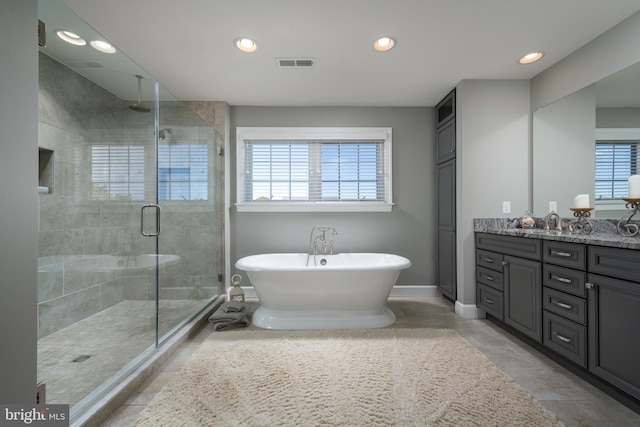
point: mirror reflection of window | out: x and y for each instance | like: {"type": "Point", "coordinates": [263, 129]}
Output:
{"type": "Point", "coordinates": [615, 162]}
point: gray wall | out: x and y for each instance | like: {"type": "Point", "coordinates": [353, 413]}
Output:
{"type": "Point", "coordinates": [492, 145]}
{"type": "Point", "coordinates": [407, 231]}
{"type": "Point", "coordinates": [18, 214]}
{"type": "Point", "coordinates": [618, 117]}
{"type": "Point", "coordinates": [609, 53]}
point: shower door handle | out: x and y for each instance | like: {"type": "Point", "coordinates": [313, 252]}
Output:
{"type": "Point", "coordinates": [157, 232]}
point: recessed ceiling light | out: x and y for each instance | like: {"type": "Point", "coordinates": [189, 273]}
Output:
{"type": "Point", "coordinates": [530, 57]}
{"type": "Point", "coordinates": [384, 44]}
{"type": "Point", "coordinates": [70, 37]}
{"type": "Point", "coordinates": [246, 44]}
{"type": "Point", "coordinates": [102, 46]}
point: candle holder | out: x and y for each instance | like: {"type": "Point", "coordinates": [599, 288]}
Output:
{"type": "Point", "coordinates": [582, 223]}
{"type": "Point", "coordinates": [625, 227]}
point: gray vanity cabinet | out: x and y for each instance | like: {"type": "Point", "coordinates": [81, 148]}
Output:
{"type": "Point", "coordinates": [614, 316]}
{"type": "Point", "coordinates": [519, 293]}
{"type": "Point", "coordinates": [523, 296]}
{"type": "Point", "coordinates": [564, 301]}
{"type": "Point", "coordinates": [579, 300]}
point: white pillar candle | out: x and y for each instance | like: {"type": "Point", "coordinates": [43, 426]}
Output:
{"type": "Point", "coordinates": [581, 201]}
{"type": "Point", "coordinates": [634, 187]}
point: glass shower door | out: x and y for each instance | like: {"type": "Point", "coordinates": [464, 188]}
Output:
{"type": "Point", "coordinates": [190, 196]}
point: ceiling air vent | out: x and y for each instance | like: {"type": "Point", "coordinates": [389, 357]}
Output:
{"type": "Point", "coordinates": [295, 62]}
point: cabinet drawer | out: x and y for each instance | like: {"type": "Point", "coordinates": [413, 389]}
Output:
{"type": "Point", "coordinates": [565, 305]}
{"type": "Point", "coordinates": [490, 300]}
{"type": "Point", "coordinates": [566, 254]}
{"type": "Point", "coordinates": [517, 246]}
{"type": "Point", "coordinates": [565, 337]}
{"type": "Point", "coordinates": [490, 260]}
{"type": "Point", "coordinates": [490, 278]}
{"type": "Point", "coordinates": [564, 279]}
{"type": "Point", "coordinates": [615, 262]}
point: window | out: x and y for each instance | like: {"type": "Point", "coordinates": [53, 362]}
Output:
{"type": "Point", "coordinates": [314, 169]}
{"type": "Point", "coordinates": [117, 172]}
{"type": "Point", "coordinates": [182, 171]}
{"type": "Point", "coordinates": [615, 161]}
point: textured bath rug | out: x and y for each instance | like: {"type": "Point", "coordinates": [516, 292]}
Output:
{"type": "Point", "coordinates": [376, 377]}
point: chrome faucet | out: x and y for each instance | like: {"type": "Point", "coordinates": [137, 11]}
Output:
{"type": "Point", "coordinates": [548, 218]}
{"type": "Point", "coordinates": [320, 241]}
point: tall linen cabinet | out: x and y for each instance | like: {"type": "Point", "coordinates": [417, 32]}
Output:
{"type": "Point", "coordinates": [446, 196]}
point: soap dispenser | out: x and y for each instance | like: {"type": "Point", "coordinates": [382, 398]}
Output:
{"type": "Point", "coordinates": [235, 292]}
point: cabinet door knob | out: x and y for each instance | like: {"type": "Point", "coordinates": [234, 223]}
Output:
{"type": "Point", "coordinates": [589, 285]}
{"type": "Point", "coordinates": [505, 263]}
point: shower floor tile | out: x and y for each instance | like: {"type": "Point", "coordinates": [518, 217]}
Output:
{"type": "Point", "coordinates": [79, 358]}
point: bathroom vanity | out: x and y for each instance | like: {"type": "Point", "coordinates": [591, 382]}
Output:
{"type": "Point", "coordinates": [574, 297]}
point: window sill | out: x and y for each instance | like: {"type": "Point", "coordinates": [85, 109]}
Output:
{"type": "Point", "coordinates": [314, 207]}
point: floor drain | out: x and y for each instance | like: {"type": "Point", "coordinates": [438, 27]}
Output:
{"type": "Point", "coordinates": [81, 358]}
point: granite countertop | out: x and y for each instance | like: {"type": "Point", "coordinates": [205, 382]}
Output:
{"type": "Point", "coordinates": [605, 234]}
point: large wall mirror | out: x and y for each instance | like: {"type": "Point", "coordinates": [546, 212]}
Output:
{"type": "Point", "coordinates": [564, 144]}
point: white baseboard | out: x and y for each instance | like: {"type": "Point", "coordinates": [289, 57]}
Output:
{"type": "Point", "coordinates": [469, 311]}
{"type": "Point", "coordinates": [415, 291]}
{"type": "Point", "coordinates": [396, 292]}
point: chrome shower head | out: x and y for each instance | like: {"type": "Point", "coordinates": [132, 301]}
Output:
{"type": "Point", "coordinates": [163, 132]}
{"type": "Point", "coordinates": [137, 107]}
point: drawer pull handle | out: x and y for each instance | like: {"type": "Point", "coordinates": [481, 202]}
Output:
{"type": "Point", "coordinates": [488, 259]}
{"type": "Point", "coordinates": [489, 278]}
{"type": "Point", "coordinates": [560, 279]}
{"type": "Point", "coordinates": [564, 254]}
{"type": "Point", "coordinates": [562, 338]}
{"type": "Point", "coordinates": [561, 304]}
{"type": "Point", "coordinates": [488, 301]}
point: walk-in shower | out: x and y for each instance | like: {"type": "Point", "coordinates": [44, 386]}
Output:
{"type": "Point", "coordinates": [130, 227]}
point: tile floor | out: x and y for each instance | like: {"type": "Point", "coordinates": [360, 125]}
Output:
{"type": "Point", "coordinates": [77, 359]}
{"type": "Point", "coordinates": [575, 401]}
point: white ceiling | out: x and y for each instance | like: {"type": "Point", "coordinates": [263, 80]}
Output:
{"type": "Point", "coordinates": [188, 45]}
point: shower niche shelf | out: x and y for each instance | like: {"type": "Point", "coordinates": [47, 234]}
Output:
{"type": "Point", "coordinates": [45, 172]}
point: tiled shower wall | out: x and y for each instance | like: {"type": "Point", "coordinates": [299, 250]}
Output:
{"type": "Point", "coordinates": [74, 113]}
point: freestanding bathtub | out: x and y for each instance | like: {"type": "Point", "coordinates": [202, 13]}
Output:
{"type": "Point", "coordinates": [344, 291]}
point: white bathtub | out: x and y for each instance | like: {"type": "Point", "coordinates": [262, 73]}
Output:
{"type": "Point", "coordinates": [349, 292]}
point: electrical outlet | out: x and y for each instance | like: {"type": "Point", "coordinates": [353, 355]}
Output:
{"type": "Point", "coordinates": [506, 207]}
{"type": "Point", "coordinates": [553, 206]}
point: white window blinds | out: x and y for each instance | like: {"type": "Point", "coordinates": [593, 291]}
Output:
{"type": "Point", "coordinates": [117, 172]}
{"type": "Point", "coordinates": [280, 170]}
{"type": "Point", "coordinates": [615, 162]}
{"type": "Point", "coordinates": [183, 171]}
